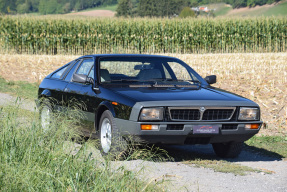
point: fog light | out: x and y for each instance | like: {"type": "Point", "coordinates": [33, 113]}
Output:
{"type": "Point", "coordinates": [251, 126]}
{"type": "Point", "coordinates": [149, 127]}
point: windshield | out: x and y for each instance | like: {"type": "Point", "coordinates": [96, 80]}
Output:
{"type": "Point", "coordinates": [146, 70]}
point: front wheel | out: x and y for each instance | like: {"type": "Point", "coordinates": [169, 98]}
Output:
{"type": "Point", "coordinates": [112, 144]}
{"type": "Point", "coordinates": [227, 150]}
{"type": "Point", "coordinates": [46, 114]}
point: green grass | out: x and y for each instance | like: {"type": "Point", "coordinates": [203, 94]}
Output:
{"type": "Point", "coordinates": [278, 10]}
{"type": "Point", "coordinates": [222, 166]}
{"type": "Point", "coordinates": [19, 88]}
{"type": "Point", "coordinates": [269, 145]}
{"type": "Point", "coordinates": [222, 11]}
{"type": "Point", "coordinates": [32, 159]}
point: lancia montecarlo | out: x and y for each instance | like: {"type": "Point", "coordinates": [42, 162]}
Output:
{"type": "Point", "coordinates": [149, 99]}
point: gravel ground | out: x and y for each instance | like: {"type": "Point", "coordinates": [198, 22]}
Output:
{"type": "Point", "coordinates": [6, 99]}
{"type": "Point", "coordinates": [182, 177]}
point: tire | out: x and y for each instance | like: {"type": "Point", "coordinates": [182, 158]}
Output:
{"type": "Point", "coordinates": [112, 144]}
{"type": "Point", "coordinates": [227, 150]}
{"type": "Point", "coordinates": [46, 115]}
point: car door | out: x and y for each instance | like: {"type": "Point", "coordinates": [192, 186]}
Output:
{"type": "Point", "coordinates": [81, 96]}
{"type": "Point", "coordinates": [55, 85]}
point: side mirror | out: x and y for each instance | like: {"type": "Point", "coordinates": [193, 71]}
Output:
{"type": "Point", "coordinates": [84, 79]}
{"type": "Point", "coordinates": [211, 79]}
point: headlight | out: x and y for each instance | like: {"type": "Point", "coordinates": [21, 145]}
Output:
{"type": "Point", "coordinates": [248, 113]}
{"type": "Point", "coordinates": [151, 114]}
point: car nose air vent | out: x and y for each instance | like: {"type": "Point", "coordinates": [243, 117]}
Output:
{"type": "Point", "coordinates": [201, 113]}
{"type": "Point", "coordinates": [184, 114]}
{"type": "Point", "coordinates": [174, 127]}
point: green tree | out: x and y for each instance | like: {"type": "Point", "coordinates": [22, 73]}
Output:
{"type": "Point", "coordinates": [2, 6]}
{"type": "Point", "coordinates": [187, 12]}
{"type": "Point", "coordinates": [52, 6]}
{"type": "Point", "coordinates": [124, 8]}
{"type": "Point", "coordinates": [67, 7]}
{"type": "Point", "coordinates": [77, 6]}
{"type": "Point", "coordinates": [23, 8]}
{"type": "Point", "coordinates": [147, 8]}
{"type": "Point", "coordinates": [42, 7]}
{"type": "Point", "coordinates": [34, 5]}
{"type": "Point", "coordinates": [161, 8]}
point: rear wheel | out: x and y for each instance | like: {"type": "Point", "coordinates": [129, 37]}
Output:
{"type": "Point", "coordinates": [227, 150]}
{"type": "Point", "coordinates": [112, 144]}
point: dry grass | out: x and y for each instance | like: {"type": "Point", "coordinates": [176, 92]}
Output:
{"type": "Point", "coordinates": [259, 77]}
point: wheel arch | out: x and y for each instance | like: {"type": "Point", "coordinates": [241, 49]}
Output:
{"type": "Point", "coordinates": [45, 93]}
{"type": "Point", "coordinates": [105, 105]}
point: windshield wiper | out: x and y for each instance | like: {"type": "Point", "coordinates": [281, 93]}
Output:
{"type": "Point", "coordinates": [138, 80]}
{"type": "Point", "coordinates": [126, 80]}
{"type": "Point", "coordinates": [184, 80]}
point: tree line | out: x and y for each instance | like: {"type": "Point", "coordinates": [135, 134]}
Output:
{"type": "Point", "coordinates": [234, 3]}
{"type": "Point", "coordinates": [142, 8]}
{"type": "Point", "coordinates": [167, 8]}
{"type": "Point", "coordinates": [50, 6]}
{"type": "Point", "coordinates": [151, 8]}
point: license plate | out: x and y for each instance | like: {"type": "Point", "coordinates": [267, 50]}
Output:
{"type": "Point", "coordinates": [205, 129]}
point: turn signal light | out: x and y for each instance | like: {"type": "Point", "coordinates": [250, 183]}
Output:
{"type": "Point", "coordinates": [149, 127]}
{"type": "Point", "coordinates": [114, 103]}
{"type": "Point", "coordinates": [251, 126]}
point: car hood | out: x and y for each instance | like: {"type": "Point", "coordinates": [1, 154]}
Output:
{"type": "Point", "coordinates": [170, 94]}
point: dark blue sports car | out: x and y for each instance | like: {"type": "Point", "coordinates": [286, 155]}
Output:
{"type": "Point", "coordinates": [151, 99]}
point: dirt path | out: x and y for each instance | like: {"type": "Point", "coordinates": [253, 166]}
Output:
{"type": "Point", "coordinates": [95, 13]}
{"type": "Point", "coordinates": [6, 99]}
{"type": "Point", "coordinates": [179, 176]}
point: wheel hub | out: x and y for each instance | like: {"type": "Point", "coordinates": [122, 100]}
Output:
{"type": "Point", "coordinates": [106, 135]}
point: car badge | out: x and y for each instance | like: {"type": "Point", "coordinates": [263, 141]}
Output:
{"type": "Point", "coordinates": [202, 109]}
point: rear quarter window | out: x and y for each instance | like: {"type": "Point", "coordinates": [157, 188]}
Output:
{"type": "Point", "coordinates": [72, 70]}
{"type": "Point", "coordinates": [58, 74]}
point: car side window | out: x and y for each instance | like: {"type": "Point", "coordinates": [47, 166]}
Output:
{"type": "Point", "coordinates": [166, 73]}
{"type": "Point", "coordinates": [92, 73]}
{"type": "Point", "coordinates": [59, 73]}
{"type": "Point", "coordinates": [71, 72]}
{"type": "Point", "coordinates": [85, 67]}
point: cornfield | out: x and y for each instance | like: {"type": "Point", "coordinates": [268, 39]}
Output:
{"type": "Point", "coordinates": [52, 35]}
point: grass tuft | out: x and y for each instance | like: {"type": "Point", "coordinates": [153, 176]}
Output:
{"type": "Point", "coordinates": [222, 166]}
{"type": "Point", "coordinates": [277, 145]}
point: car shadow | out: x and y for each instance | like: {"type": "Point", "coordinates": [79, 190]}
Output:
{"type": "Point", "coordinates": [181, 153]}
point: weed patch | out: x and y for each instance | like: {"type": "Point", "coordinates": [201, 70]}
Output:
{"type": "Point", "coordinates": [222, 166]}
{"type": "Point", "coordinates": [19, 88]}
{"type": "Point", "coordinates": [275, 146]}
{"type": "Point", "coordinates": [33, 159]}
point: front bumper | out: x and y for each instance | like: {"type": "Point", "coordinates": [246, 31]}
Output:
{"type": "Point", "coordinates": [186, 136]}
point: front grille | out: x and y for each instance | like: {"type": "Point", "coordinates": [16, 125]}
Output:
{"type": "Point", "coordinates": [217, 114]}
{"type": "Point", "coordinates": [200, 113]}
{"type": "Point", "coordinates": [185, 114]}
{"type": "Point", "coordinates": [229, 126]}
{"type": "Point", "coordinates": [174, 127]}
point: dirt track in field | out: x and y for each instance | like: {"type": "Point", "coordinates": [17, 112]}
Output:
{"type": "Point", "coordinates": [95, 13]}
